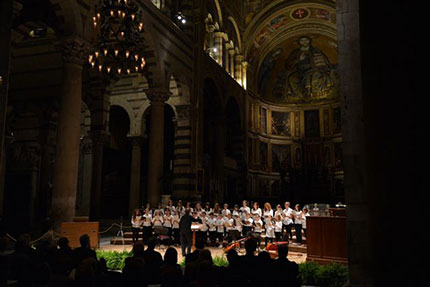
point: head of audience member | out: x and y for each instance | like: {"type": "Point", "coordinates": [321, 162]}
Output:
{"type": "Point", "coordinates": [84, 240]}
{"type": "Point", "coordinates": [264, 257]}
{"type": "Point", "coordinates": [283, 251]}
{"type": "Point", "coordinates": [205, 255]}
{"type": "Point", "coordinates": [287, 205]}
{"type": "Point", "coordinates": [200, 243]}
{"type": "Point", "coordinates": [138, 249]}
{"type": "Point", "coordinates": [152, 242]}
{"type": "Point", "coordinates": [23, 242]}
{"type": "Point", "coordinates": [171, 256]}
{"type": "Point", "coordinates": [250, 246]}
{"type": "Point", "coordinates": [63, 243]}
{"type": "Point", "coordinates": [232, 257]}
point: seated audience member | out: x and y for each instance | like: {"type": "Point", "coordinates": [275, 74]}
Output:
{"type": "Point", "coordinates": [193, 256]}
{"type": "Point", "coordinates": [134, 271]}
{"type": "Point", "coordinates": [153, 261]}
{"type": "Point", "coordinates": [249, 263]}
{"type": "Point", "coordinates": [288, 269]}
{"type": "Point", "coordinates": [84, 251]}
{"type": "Point", "coordinates": [171, 272]}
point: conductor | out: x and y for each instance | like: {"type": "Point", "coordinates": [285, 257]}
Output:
{"type": "Point", "coordinates": [185, 232]}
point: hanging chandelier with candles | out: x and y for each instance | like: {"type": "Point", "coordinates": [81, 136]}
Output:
{"type": "Point", "coordinates": [119, 38]}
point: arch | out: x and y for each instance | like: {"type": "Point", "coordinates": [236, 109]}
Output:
{"type": "Point", "coordinates": [118, 101]}
{"type": "Point", "coordinates": [176, 87]}
{"type": "Point", "coordinates": [219, 11]}
{"type": "Point", "coordinates": [70, 17]}
{"type": "Point", "coordinates": [236, 29]}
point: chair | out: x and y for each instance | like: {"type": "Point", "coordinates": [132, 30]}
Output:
{"type": "Point", "coordinates": [163, 237]}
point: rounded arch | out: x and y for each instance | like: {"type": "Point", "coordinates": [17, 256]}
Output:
{"type": "Point", "coordinates": [120, 102]}
{"type": "Point", "coordinates": [237, 32]}
{"type": "Point", "coordinates": [70, 16]}
{"type": "Point", "coordinates": [179, 90]}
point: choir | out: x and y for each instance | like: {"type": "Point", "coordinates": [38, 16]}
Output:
{"type": "Point", "coordinates": [217, 225]}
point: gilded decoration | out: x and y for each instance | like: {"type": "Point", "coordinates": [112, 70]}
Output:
{"type": "Point", "coordinates": [300, 70]}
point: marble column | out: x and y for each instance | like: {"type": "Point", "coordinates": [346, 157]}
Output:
{"type": "Point", "coordinates": [238, 68]}
{"type": "Point", "coordinates": [135, 172]}
{"type": "Point", "coordinates": [232, 53]}
{"type": "Point", "coordinates": [68, 133]}
{"type": "Point", "coordinates": [158, 97]}
{"type": "Point", "coordinates": [244, 69]}
{"type": "Point", "coordinates": [219, 47]}
{"type": "Point", "coordinates": [99, 139]}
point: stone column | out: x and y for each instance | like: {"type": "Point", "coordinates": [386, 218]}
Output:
{"type": "Point", "coordinates": [227, 58]}
{"type": "Point", "coordinates": [99, 139]}
{"type": "Point", "coordinates": [68, 133]}
{"type": "Point", "coordinates": [232, 53]}
{"type": "Point", "coordinates": [158, 97]}
{"type": "Point", "coordinates": [238, 68]}
{"type": "Point", "coordinates": [244, 68]}
{"type": "Point", "coordinates": [135, 171]}
{"type": "Point", "coordinates": [86, 176]}
{"type": "Point", "coordinates": [219, 47]}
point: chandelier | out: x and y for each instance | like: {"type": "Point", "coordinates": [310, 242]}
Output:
{"type": "Point", "coordinates": [119, 38]}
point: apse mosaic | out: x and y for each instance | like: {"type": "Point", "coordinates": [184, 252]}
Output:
{"type": "Point", "coordinates": [302, 69]}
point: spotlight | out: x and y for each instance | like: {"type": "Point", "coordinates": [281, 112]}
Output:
{"type": "Point", "coordinates": [183, 21]}
{"type": "Point", "coordinates": [179, 17]}
{"type": "Point", "coordinates": [215, 50]}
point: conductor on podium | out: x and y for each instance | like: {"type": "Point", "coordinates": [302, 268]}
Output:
{"type": "Point", "coordinates": [185, 232]}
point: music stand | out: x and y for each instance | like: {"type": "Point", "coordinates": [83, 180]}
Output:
{"type": "Point", "coordinates": [120, 233]}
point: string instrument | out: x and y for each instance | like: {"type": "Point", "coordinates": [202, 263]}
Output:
{"type": "Point", "coordinates": [272, 248]}
{"type": "Point", "coordinates": [234, 244]}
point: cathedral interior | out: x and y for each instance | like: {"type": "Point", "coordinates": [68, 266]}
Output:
{"type": "Point", "coordinates": [297, 100]}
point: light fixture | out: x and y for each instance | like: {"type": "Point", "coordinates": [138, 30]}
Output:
{"type": "Point", "coordinates": [119, 35]}
{"type": "Point", "coordinates": [214, 50]}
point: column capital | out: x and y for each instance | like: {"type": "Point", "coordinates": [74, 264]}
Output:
{"type": "Point", "coordinates": [158, 95]}
{"type": "Point", "coordinates": [75, 50]}
{"type": "Point", "coordinates": [232, 51]}
{"type": "Point", "coordinates": [239, 57]}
